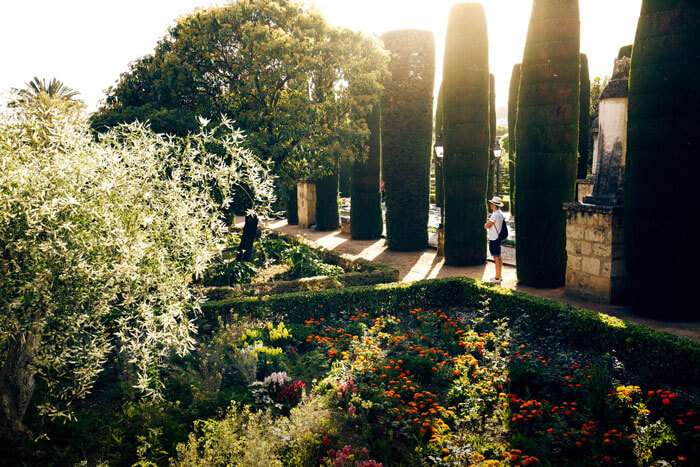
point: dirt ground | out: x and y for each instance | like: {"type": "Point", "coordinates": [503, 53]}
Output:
{"type": "Point", "coordinates": [427, 264]}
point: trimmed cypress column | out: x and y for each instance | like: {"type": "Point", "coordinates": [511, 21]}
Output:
{"type": "Point", "coordinates": [407, 127]}
{"type": "Point", "coordinates": [512, 142]}
{"type": "Point", "coordinates": [366, 198]}
{"type": "Point", "coordinates": [547, 141]}
{"type": "Point", "coordinates": [327, 213]}
{"type": "Point", "coordinates": [492, 136]}
{"type": "Point", "coordinates": [292, 206]}
{"type": "Point", "coordinates": [439, 194]}
{"type": "Point", "coordinates": [625, 51]}
{"type": "Point", "coordinates": [584, 118]}
{"type": "Point", "coordinates": [663, 160]}
{"type": "Point", "coordinates": [466, 134]}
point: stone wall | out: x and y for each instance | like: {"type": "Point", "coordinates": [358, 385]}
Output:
{"type": "Point", "coordinates": [595, 269]}
{"type": "Point", "coordinates": [583, 188]}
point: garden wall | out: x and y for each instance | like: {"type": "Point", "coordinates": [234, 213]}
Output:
{"type": "Point", "coordinates": [652, 354]}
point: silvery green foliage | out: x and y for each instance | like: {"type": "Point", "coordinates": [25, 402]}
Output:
{"type": "Point", "coordinates": [99, 240]}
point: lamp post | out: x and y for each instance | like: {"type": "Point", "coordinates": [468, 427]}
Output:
{"type": "Point", "coordinates": [439, 150]}
{"type": "Point", "coordinates": [497, 151]}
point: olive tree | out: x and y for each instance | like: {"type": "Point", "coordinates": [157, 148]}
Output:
{"type": "Point", "coordinates": [100, 241]}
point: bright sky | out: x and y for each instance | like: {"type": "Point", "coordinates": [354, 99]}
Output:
{"type": "Point", "coordinates": [87, 43]}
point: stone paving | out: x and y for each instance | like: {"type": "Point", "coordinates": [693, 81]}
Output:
{"type": "Point", "coordinates": [427, 264]}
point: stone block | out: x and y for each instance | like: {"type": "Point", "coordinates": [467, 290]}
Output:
{"type": "Point", "coordinates": [574, 263]}
{"type": "Point", "coordinates": [586, 248]}
{"type": "Point", "coordinates": [597, 234]}
{"type": "Point", "coordinates": [599, 286]}
{"type": "Point", "coordinates": [602, 250]}
{"type": "Point", "coordinates": [574, 231]}
{"type": "Point", "coordinates": [591, 266]}
{"type": "Point", "coordinates": [605, 269]}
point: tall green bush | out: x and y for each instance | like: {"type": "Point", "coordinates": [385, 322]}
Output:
{"type": "Point", "coordinates": [625, 51]}
{"type": "Point", "coordinates": [547, 140]}
{"type": "Point", "coordinates": [492, 136]}
{"type": "Point", "coordinates": [512, 117]}
{"type": "Point", "coordinates": [327, 214]}
{"type": "Point", "coordinates": [292, 206]}
{"type": "Point", "coordinates": [366, 198]}
{"type": "Point", "coordinates": [407, 125]}
{"type": "Point", "coordinates": [439, 189]}
{"type": "Point", "coordinates": [584, 118]}
{"type": "Point", "coordinates": [466, 134]}
{"type": "Point", "coordinates": [663, 159]}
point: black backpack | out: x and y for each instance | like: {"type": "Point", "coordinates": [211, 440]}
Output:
{"type": "Point", "coordinates": [503, 234]}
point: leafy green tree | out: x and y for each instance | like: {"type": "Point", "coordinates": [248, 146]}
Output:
{"type": "Point", "coordinates": [662, 168]}
{"type": "Point", "coordinates": [407, 126]}
{"type": "Point", "coordinates": [466, 129]}
{"type": "Point", "coordinates": [295, 85]}
{"type": "Point", "coordinates": [584, 119]}
{"type": "Point", "coordinates": [512, 117]}
{"type": "Point", "coordinates": [597, 86]}
{"type": "Point", "coordinates": [547, 141]}
{"type": "Point", "coordinates": [100, 241]}
{"type": "Point", "coordinates": [366, 198]}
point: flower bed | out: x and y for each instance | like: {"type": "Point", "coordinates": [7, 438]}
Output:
{"type": "Point", "coordinates": [464, 387]}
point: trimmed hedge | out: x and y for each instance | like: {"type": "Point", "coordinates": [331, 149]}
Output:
{"type": "Point", "coordinates": [547, 132]}
{"type": "Point", "coordinates": [663, 159]}
{"type": "Point", "coordinates": [492, 137]}
{"type": "Point", "coordinates": [625, 51]}
{"type": "Point", "coordinates": [327, 213]}
{"type": "Point", "coordinates": [439, 189]}
{"type": "Point", "coordinates": [358, 272]}
{"type": "Point", "coordinates": [584, 122]}
{"type": "Point", "coordinates": [407, 126]}
{"type": "Point", "coordinates": [366, 221]}
{"type": "Point", "coordinates": [653, 354]}
{"type": "Point", "coordinates": [512, 117]}
{"type": "Point", "coordinates": [466, 134]}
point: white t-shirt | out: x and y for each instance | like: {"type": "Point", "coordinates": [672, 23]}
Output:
{"type": "Point", "coordinates": [497, 219]}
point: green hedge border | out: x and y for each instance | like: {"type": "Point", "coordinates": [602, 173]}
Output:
{"type": "Point", "coordinates": [651, 354]}
{"type": "Point", "coordinates": [362, 272]}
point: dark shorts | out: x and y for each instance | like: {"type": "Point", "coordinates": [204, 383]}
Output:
{"type": "Point", "coordinates": [495, 247]}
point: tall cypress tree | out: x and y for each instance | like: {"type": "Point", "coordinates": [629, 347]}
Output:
{"type": "Point", "coordinates": [292, 206]}
{"type": "Point", "coordinates": [625, 51]}
{"type": "Point", "coordinates": [407, 127]}
{"type": "Point", "coordinates": [512, 117]}
{"type": "Point", "coordinates": [466, 134]}
{"type": "Point", "coordinates": [492, 136]}
{"type": "Point", "coordinates": [439, 196]}
{"type": "Point", "coordinates": [366, 198]}
{"type": "Point", "coordinates": [663, 159]}
{"type": "Point", "coordinates": [584, 118]}
{"type": "Point", "coordinates": [547, 141]}
{"type": "Point", "coordinates": [327, 214]}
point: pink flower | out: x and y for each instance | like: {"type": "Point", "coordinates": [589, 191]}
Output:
{"type": "Point", "coordinates": [352, 409]}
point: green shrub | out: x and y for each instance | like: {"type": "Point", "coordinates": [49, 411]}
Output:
{"type": "Point", "coordinates": [327, 213]}
{"type": "Point", "coordinates": [663, 159]}
{"type": "Point", "coordinates": [407, 123]}
{"type": "Point", "coordinates": [584, 118]}
{"type": "Point", "coordinates": [466, 132]}
{"type": "Point", "coordinates": [366, 221]}
{"type": "Point", "coordinates": [492, 137]}
{"type": "Point", "coordinates": [547, 140]}
{"type": "Point", "coordinates": [512, 117]}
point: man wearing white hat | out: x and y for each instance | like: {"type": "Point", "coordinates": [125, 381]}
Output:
{"type": "Point", "coordinates": [494, 226]}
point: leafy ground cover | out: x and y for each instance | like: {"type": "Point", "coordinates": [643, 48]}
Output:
{"type": "Point", "coordinates": [444, 387]}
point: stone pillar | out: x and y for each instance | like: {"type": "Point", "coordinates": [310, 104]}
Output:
{"type": "Point", "coordinates": [583, 188]}
{"type": "Point", "coordinates": [306, 199]}
{"type": "Point", "coordinates": [595, 268]}
{"type": "Point", "coordinates": [595, 130]}
{"type": "Point", "coordinates": [612, 139]}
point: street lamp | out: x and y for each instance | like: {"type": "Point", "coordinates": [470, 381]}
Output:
{"type": "Point", "coordinates": [439, 150]}
{"type": "Point", "coordinates": [497, 151]}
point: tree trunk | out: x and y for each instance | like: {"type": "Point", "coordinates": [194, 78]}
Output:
{"type": "Point", "coordinates": [17, 387]}
{"type": "Point", "coordinates": [245, 249]}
